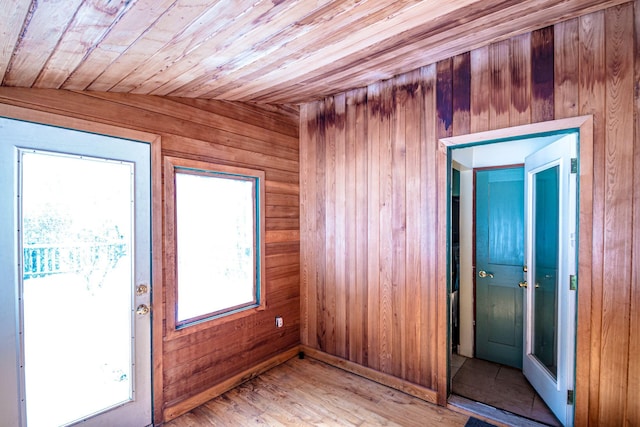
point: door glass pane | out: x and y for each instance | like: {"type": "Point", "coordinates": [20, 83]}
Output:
{"type": "Point", "coordinates": [77, 285]}
{"type": "Point", "coordinates": [545, 301]}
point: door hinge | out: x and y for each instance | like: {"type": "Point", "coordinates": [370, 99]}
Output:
{"type": "Point", "coordinates": [573, 282]}
{"type": "Point", "coordinates": [574, 165]}
{"type": "Point", "coordinates": [569, 397]}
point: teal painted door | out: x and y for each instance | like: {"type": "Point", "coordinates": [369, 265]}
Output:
{"type": "Point", "coordinates": [499, 220]}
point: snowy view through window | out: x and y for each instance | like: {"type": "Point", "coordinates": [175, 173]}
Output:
{"type": "Point", "coordinates": [77, 282]}
{"type": "Point", "coordinates": [215, 226]}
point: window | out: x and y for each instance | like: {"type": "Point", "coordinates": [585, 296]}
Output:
{"type": "Point", "coordinates": [214, 226]}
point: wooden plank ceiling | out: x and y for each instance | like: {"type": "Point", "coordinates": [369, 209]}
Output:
{"type": "Point", "coordinates": [267, 51]}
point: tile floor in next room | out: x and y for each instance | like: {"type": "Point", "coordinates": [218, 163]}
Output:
{"type": "Point", "coordinates": [499, 386]}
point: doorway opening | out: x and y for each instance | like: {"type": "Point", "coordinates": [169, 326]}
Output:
{"type": "Point", "coordinates": [488, 343]}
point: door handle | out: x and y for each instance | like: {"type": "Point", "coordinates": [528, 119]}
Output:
{"type": "Point", "coordinates": [522, 284]}
{"type": "Point", "coordinates": [143, 309]}
{"type": "Point", "coordinates": [483, 273]}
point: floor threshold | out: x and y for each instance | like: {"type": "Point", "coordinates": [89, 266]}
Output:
{"type": "Point", "coordinates": [491, 413]}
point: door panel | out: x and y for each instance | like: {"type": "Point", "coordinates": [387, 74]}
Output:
{"type": "Point", "coordinates": [549, 350]}
{"type": "Point", "coordinates": [77, 266]}
{"type": "Point", "coordinates": [79, 209]}
{"type": "Point", "coordinates": [500, 254]}
{"type": "Point", "coordinates": [545, 267]}
{"type": "Point", "coordinates": [502, 313]}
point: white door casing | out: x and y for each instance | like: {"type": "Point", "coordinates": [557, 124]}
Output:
{"type": "Point", "coordinates": [15, 137]}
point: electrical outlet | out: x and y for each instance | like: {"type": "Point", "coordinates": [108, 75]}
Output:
{"type": "Point", "coordinates": [279, 322]}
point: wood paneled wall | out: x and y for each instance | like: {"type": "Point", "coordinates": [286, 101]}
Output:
{"type": "Point", "coordinates": [366, 214]}
{"type": "Point", "coordinates": [370, 259]}
{"type": "Point", "coordinates": [264, 138]}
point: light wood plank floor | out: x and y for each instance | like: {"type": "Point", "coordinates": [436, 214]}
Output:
{"type": "Point", "coordinates": [306, 392]}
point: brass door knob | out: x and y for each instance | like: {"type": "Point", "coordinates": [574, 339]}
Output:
{"type": "Point", "coordinates": [483, 274]}
{"type": "Point", "coordinates": [522, 284]}
{"type": "Point", "coordinates": [143, 309]}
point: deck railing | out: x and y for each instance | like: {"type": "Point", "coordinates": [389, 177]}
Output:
{"type": "Point", "coordinates": [45, 259]}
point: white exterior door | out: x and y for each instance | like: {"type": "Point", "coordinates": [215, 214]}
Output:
{"type": "Point", "coordinates": [549, 334]}
{"type": "Point", "coordinates": [75, 250]}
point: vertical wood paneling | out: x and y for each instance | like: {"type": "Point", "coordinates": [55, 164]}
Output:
{"type": "Point", "coordinates": [330, 228]}
{"type": "Point", "coordinates": [307, 161]}
{"type": "Point", "coordinates": [157, 265]}
{"type": "Point", "coordinates": [566, 69]}
{"type": "Point", "coordinates": [633, 407]}
{"type": "Point", "coordinates": [441, 286]}
{"type": "Point", "coordinates": [413, 305]}
{"type": "Point", "coordinates": [386, 232]}
{"type": "Point", "coordinates": [542, 75]}
{"type": "Point", "coordinates": [583, 303]}
{"type": "Point", "coordinates": [320, 235]}
{"type": "Point", "coordinates": [592, 101]}
{"type": "Point", "coordinates": [428, 241]}
{"type": "Point", "coordinates": [520, 109]}
{"type": "Point", "coordinates": [374, 119]}
{"type": "Point", "coordinates": [461, 94]}
{"type": "Point", "coordinates": [340, 221]}
{"type": "Point", "coordinates": [351, 255]}
{"type": "Point", "coordinates": [360, 331]}
{"type": "Point", "coordinates": [444, 98]}
{"type": "Point", "coordinates": [444, 107]}
{"type": "Point", "coordinates": [480, 89]}
{"type": "Point", "coordinates": [309, 131]}
{"type": "Point", "coordinates": [500, 71]}
{"type": "Point", "coordinates": [618, 210]}
{"type": "Point", "coordinates": [577, 67]}
{"type": "Point", "coordinates": [398, 229]}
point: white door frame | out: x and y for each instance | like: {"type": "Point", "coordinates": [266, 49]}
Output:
{"type": "Point", "coordinates": [35, 116]}
{"type": "Point", "coordinates": [584, 125]}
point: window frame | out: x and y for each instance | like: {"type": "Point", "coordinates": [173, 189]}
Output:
{"type": "Point", "coordinates": [172, 166]}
